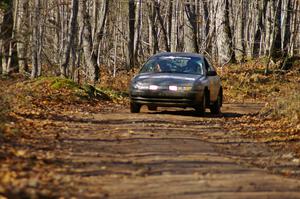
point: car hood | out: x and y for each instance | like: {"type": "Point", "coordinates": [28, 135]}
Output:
{"type": "Point", "coordinates": [166, 79]}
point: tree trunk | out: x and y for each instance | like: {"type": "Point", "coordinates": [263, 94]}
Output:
{"type": "Point", "coordinates": [6, 37]}
{"type": "Point", "coordinates": [191, 27]}
{"type": "Point", "coordinates": [130, 59]}
{"type": "Point", "coordinates": [223, 33]}
{"type": "Point", "coordinates": [100, 26]}
{"type": "Point", "coordinates": [162, 25]}
{"type": "Point", "coordinates": [261, 8]}
{"type": "Point", "coordinates": [11, 62]}
{"type": "Point", "coordinates": [180, 27]}
{"type": "Point", "coordinates": [239, 32]}
{"type": "Point", "coordinates": [35, 39]}
{"type": "Point", "coordinates": [22, 35]}
{"type": "Point", "coordinates": [286, 26]}
{"type": "Point", "coordinates": [206, 26]}
{"type": "Point", "coordinates": [154, 34]}
{"type": "Point", "coordinates": [170, 14]}
{"type": "Point", "coordinates": [268, 26]}
{"type": "Point", "coordinates": [70, 38]}
{"type": "Point", "coordinates": [294, 28]}
{"type": "Point", "coordinates": [89, 55]}
{"type": "Point", "coordinates": [174, 32]}
{"type": "Point", "coordinates": [138, 29]}
{"type": "Point", "coordinates": [275, 48]}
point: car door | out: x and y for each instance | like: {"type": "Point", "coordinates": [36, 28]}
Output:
{"type": "Point", "coordinates": [214, 81]}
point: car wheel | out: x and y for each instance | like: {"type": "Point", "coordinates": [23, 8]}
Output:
{"type": "Point", "coordinates": [216, 106]}
{"type": "Point", "coordinates": [135, 108]}
{"type": "Point", "coordinates": [200, 109]}
{"type": "Point", "coordinates": [152, 108]}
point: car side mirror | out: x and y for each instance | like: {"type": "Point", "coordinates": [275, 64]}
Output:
{"type": "Point", "coordinates": [211, 73]}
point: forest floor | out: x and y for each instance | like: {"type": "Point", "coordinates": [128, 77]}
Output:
{"type": "Point", "coordinates": [59, 139]}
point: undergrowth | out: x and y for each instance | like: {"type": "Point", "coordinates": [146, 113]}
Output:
{"type": "Point", "coordinates": [4, 107]}
{"type": "Point", "coordinates": [59, 94]}
{"type": "Point", "coordinates": [284, 107]}
{"type": "Point", "coordinates": [279, 90]}
{"type": "Point", "coordinates": [118, 83]}
{"type": "Point", "coordinates": [3, 115]}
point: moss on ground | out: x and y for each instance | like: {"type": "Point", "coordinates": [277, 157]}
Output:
{"type": "Point", "coordinates": [59, 83]}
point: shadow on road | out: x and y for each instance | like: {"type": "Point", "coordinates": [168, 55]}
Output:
{"type": "Point", "coordinates": [192, 113]}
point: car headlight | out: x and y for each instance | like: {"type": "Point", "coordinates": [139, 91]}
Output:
{"type": "Point", "coordinates": [153, 87]}
{"type": "Point", "coordinates": [140, 86]}
{"type": "Point", "coordinates": [173, 88]}
{"type": "Point", "coordinates": [180, 88]}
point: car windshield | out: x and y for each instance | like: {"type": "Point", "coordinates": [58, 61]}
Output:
{"type": "Point", "coordinates": [174, 64]}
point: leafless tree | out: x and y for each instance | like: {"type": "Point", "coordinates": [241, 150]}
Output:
{"type": "Point", "coordinates": [71, 37]}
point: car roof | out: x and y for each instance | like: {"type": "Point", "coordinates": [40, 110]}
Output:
{"type": "Point", "coordinates": [183, 54]}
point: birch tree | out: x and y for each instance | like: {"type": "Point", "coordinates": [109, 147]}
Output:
{"type": "Point", "coordinates": [261, 7]}
{"type": "Point", "coordinates": [275, 43]}
{"type": "Point", "coordinates": [123, 34]}
{"type": "Point", "coordinates": [138, 29]}
{"type": "Point", "coordinates": [99, 27]}
{"type": "Point", "coordinates": [6, 36]}
{"type": "Point", "coordinates": [35, 40]}
{"type": "Point", "coordinates": [286, 24]}
{"type": "Point", "coordinates": [70, 38]}
{"type": "Point", "coordinates": [22, 32]}
{"type": "Point", "coordinates": [92, 69]}
{"type": "Point", "coordinates": [223, 32]}
{"type": "Point", "coordinates": [239, 31]}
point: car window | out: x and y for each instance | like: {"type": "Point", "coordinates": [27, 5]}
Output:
{"type": "Point", "coordinates": [174, 64]}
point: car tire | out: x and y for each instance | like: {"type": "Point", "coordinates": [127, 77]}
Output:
{"type": "Point", "coordinates": [135, 108]}
{"type": "Point", "coordinates": [200, 109]}
{"type": "Point", "coordinates": [152, 108]}
{"type": "Point", "coordinates": [215, 108]}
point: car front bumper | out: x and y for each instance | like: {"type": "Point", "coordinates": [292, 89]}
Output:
{"type": "Point", "coordinates": [166, 98]}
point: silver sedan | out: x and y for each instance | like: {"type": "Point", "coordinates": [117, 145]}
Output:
{"type": "Point", "coordinates": [177, 80]}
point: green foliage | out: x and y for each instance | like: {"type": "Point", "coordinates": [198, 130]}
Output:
{"type": "Point", "coordinates": [59, 83]}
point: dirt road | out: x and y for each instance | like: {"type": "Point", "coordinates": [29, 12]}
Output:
{"type": "Point", "coordinates": [162, 154]}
